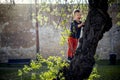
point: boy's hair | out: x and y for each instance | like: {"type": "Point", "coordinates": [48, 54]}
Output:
{"type": "Point", "coordinates": [76, 10]}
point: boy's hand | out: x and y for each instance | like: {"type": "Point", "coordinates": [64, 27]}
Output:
{"type": "Point", "coordinates": [80, 25]}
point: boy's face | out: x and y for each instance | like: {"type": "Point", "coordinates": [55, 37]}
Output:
{"type": "Point", "coordinates": [77, 16]}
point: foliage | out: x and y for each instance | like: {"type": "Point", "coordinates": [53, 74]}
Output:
{"type": "Point", "coordinates": [94, 75]}
{"type": "Point", "coordinates": [106, 72]}
{"type": "Point", "coordinates": [118, 16]}
{"type": "Point", "coordinates": [48, 69]}
{"type": "Point", "coordinates": [64, 36]}
{"type": "Point", "coordinates": [63, 14]}
{"type": "Point", "coordinates": [113, 1]}
{"type": "Point", "coordinates": [52, 64]}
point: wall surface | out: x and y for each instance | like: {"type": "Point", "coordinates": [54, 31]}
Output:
{"type": "Point", "coordinates": [18, 35]}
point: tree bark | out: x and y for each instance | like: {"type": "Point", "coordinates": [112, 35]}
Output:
{"type": "Point", "coordinates": [97, 23]}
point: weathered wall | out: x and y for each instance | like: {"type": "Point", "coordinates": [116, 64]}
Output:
{"type": "Point", "coordinates": [50, 41]}
{"type": "Point", "coordinates": [110, 44]}
{"type": "Point", "coordinates": [111, 40]}
{"type": "Point", "coordinates": [18, 36]}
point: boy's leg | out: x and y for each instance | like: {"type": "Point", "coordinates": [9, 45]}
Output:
{"type": "Point", "coordinates": [75, 45]}
{"type": "Point", "coordinates": [70, 48]}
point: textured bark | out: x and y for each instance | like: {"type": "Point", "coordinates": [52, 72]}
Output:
{"type": "Point", "coordinates": [97, 23]}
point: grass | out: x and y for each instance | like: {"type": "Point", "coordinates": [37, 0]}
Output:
{"type": "Point", "coordinates": [109, 73]}
{"type": "Point", "coordinates": [106, 71]}
{"type": "Point", "coordinates": [9, 72]}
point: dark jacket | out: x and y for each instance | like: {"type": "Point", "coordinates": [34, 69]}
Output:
{"type": "Point", "coordinates": [74, 30]}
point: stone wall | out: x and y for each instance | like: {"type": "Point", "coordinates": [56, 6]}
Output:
{"type": "Point", "coordinates": [111, 40]}
{"type": "Point", "coordinates": [18, 35]}
{"type": "Point", "coordinates": [50, 41]}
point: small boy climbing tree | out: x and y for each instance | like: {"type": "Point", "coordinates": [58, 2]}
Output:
{"type": "Point", "coordinates": [97, 23]}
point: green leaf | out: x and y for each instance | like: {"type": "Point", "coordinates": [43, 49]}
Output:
{"type": "Point", "coordinates": [118, 15]}
{"type": "Point", "coordinates": [45, 18]}
{"type": "Point", "coordinates": [34, 65]}
{"type": "Point", "coordinates": [33, 76]}
{"type": "Point", "coordinates": [54, 23]}
{"type": "Point", "coordinates": [19, 72]}
{"type": "Point", "coordinates": [118, 23]}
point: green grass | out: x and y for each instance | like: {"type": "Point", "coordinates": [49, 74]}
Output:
{"type": "Point", "coordinates": [109, 72]}
{"type": "Point", "coordinates": [8, 74]}
{"type": "Point", "coordinates": [106, 71]}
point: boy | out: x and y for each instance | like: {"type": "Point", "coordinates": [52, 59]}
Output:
{"type": "Point", "coordinates": [75, 30]}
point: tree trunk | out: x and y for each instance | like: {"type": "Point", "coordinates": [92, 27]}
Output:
{"type": "Point", "coordinates": [97, 23]}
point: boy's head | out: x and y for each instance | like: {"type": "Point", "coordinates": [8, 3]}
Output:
{"type": "Point", "coordinates": [76, 15]}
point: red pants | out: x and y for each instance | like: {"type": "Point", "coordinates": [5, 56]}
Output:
{"type": "Point", "coordinates": [72, 45]}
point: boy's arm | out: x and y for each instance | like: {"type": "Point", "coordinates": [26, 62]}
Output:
{"type": "Point", "coordinates": [80, 25]}
{"type": "Point", "coordinates": [72, 30]}
{"type": "Point", "coordinates": [71, 27]}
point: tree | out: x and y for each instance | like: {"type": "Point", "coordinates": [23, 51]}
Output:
{"type": "Point", "coordinates": [96, 24]}
{"type": "Point", "coordinates": [37, 29]}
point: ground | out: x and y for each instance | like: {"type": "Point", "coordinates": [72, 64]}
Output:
{"type": "Point", "coordinates": [106, 71]}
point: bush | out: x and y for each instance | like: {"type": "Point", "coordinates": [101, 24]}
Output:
{"type": "Point", "coordinates": [47, 69]}
{"type": "Point", "coordinates": [43, 69]}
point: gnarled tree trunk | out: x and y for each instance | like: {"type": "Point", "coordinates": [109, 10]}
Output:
{"type": "Point", "coordinates": [97, 23]}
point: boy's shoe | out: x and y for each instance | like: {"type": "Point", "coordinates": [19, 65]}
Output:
{"type": "Point", "coordinates": [68, 61]}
